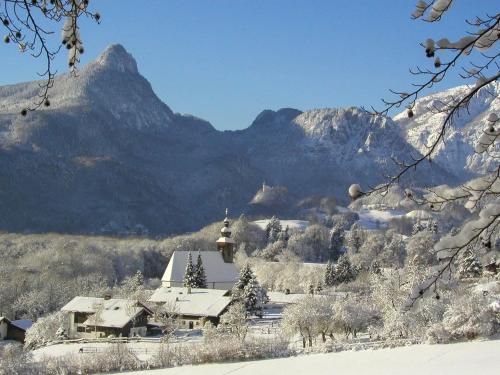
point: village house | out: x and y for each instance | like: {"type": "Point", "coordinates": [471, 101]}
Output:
{"type": "Point", "coordinates": [220, 271]}
{"type": "Point", "coordinates": [14, 330]}
{"type": "Point", "coordinates": [103, 317]}
{"type": "Point", "coordinates": [193, 306]}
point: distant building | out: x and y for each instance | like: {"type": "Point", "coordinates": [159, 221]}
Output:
{"type": "Point", "coordinates": [194, 306]}
{"type": "Point", "coordinates": [15, 329]}
{"type": "Point", "coordinates": [220, 271]}
{"type": "Point", "coordinates": [102, 317]}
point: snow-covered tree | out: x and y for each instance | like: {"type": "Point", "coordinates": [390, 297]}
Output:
{"type": "Point", "coordinates": [469, 265]}
{"type": "Point", "coordinates": [167, 314]}
{"type": "Point", "coordinates": [473, 56]}
{"type": "Point", "coordinates": [273, 229]}
{"type": "Point", "coordinates": [354, 238]}
{"type": "Point", "coordinates": [343, 270]}
{"type": "Point", "coordinates": [244, 278]}
{"type": "Point", "coordinates": [133, 288]}
{"type": "Point", "coordinates": [234, 320]}
{"type": "Point", "coordinates": [45, 329]}
{"type": "Point", "coordinates": [189, 279]}
{"type": "Point", "coordinates": [432, 226]}
{"type": "Point", "coordinates": [254, 297]}
{"type": "Point", "coordinates": [329, 274]}
{"type": "Point", "coordinates": [297, 318]}
{"type": "Point", "coordinates": [16, 361]}
{"type": "Point", "coordinates": [311, 289]}
{"type": "Point", "coordinates": [200, 278]}
{"type": "Point", "coordinates": [417, 227]}
{"type": "Point", "coordinates": [319, 287]}
{"type": "Point", "coordinates": [336, 243]}
{"type": "Point", "coordinates": [468, 316]}
{"type": "Point", "coordinates": [248, 291]}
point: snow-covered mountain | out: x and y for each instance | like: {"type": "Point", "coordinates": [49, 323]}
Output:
{"type": "Point", "coordinates": [109, 156]}
{"type": "Point", "coordinates": [456, 154]}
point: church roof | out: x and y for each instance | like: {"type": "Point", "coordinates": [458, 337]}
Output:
{"type": "Point", "coordinates": [225, 240]}
{"type": "Point", "coordinates": [200, 302]}
{"type": "Point", "coordinates": [216, 270]}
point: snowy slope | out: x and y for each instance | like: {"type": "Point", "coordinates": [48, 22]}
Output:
{"type": "Point", "coordinates": [457, 154]}
{"type": "Point", "coordinates": [453, 359]}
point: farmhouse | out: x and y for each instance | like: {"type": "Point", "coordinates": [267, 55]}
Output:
{"type": "Point", "coordinates": [102, 317]}
{"type": "Point", "coordinates": [14, 330]}
{"type": "Point", "coordinates": [194, 306]}
{"type": "Point", "coordinates": [219, 268]}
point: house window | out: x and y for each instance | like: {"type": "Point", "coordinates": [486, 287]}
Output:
{"type": "Point", "coordinates": [80, 329]}
{"type": "Point", "coordinates": [80, 317]}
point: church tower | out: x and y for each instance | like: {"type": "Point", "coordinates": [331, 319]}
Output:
{"type": "Point", "coordinates": [225, 244]}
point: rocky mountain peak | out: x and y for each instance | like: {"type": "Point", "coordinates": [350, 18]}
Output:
{"type": "Point", "coordinates": [116, 57]}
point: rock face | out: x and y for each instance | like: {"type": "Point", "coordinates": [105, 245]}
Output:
{"type": "Point", "coordinates": [456, 154]}
{"type": "Point", "coordinates": [109, 157]}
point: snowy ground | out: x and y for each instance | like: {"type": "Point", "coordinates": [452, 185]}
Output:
{"type": "Point", "coordinates": [143, 350]}
{"type": "Point", "coordinates": [481, 357]}
{"type": "Point", "coordinates": [299, 225]}
{"type": "Point", "coordinates": [377, 219]}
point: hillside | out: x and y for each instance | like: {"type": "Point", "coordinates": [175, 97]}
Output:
{"type": "Point", "coordinates": [108, 156]}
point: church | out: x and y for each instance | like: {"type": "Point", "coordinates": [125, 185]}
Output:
{"type": "Point", "coordinates": [220, 271]}
{"type": "Point", "coordinates": [196, 306]}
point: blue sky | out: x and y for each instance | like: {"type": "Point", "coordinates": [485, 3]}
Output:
{"type": "Point", "coordinates": [227, 60]}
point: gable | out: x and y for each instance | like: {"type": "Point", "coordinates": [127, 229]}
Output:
{"type": "Point", "coordinates": [215, 269]}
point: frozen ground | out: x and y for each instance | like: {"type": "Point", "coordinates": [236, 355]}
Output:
{"type": "Point", "coordinates": [479, 357]}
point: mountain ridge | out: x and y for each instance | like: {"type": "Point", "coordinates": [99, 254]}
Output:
{"type": "Point", "coordinates": [108, 156]}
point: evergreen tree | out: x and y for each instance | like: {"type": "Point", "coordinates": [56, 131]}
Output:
{"type": "Point", "coordinates": [273, 229]}
{"type": "Point", "coordinates": [469, 265]}
{"type": "Point", "coordinates": [245, 275]}
{"type": "Point", "coordinates": [189, 276]}
{"type": "Point", "coordinates": [343, 270]}
{"type": "Point", "coordinates": [432, 226]}
{"type": "Point", "coordinates": [254, 297]}
{"type": "Point", "coordinates": [319, 287]}
{"type": "Point", "coordinates": [329, 274]}
{"type": "Point", "coordinates": [199, 273]}
{"type": "Point", "coordinates": [336, 243]}
{"type": "Point", "coordinates": [354, 238]}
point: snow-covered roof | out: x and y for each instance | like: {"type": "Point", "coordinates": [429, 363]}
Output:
{"type": "Point", "coordinates": [3, 318]}
{"type": "Point", "coordinates": [114, 312]}
{"type": "Point", "coordinates": [298, 225]}
{"type": "Point", "coordinates": [216, 270]}
{"type": "Point", "coordinates": [200, 302]}
{"type": "Point", "coordinates": [23, 324]}
{"type": "Point", "coordinates": [82, 304]}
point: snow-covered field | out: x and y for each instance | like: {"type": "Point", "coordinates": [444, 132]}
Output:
{"type": "Point", "coordinates": [291, 224]}
{"type": "Point", "coordinates": [479, 357]}
{"type": "Point", "coordinates": [377, 219]}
